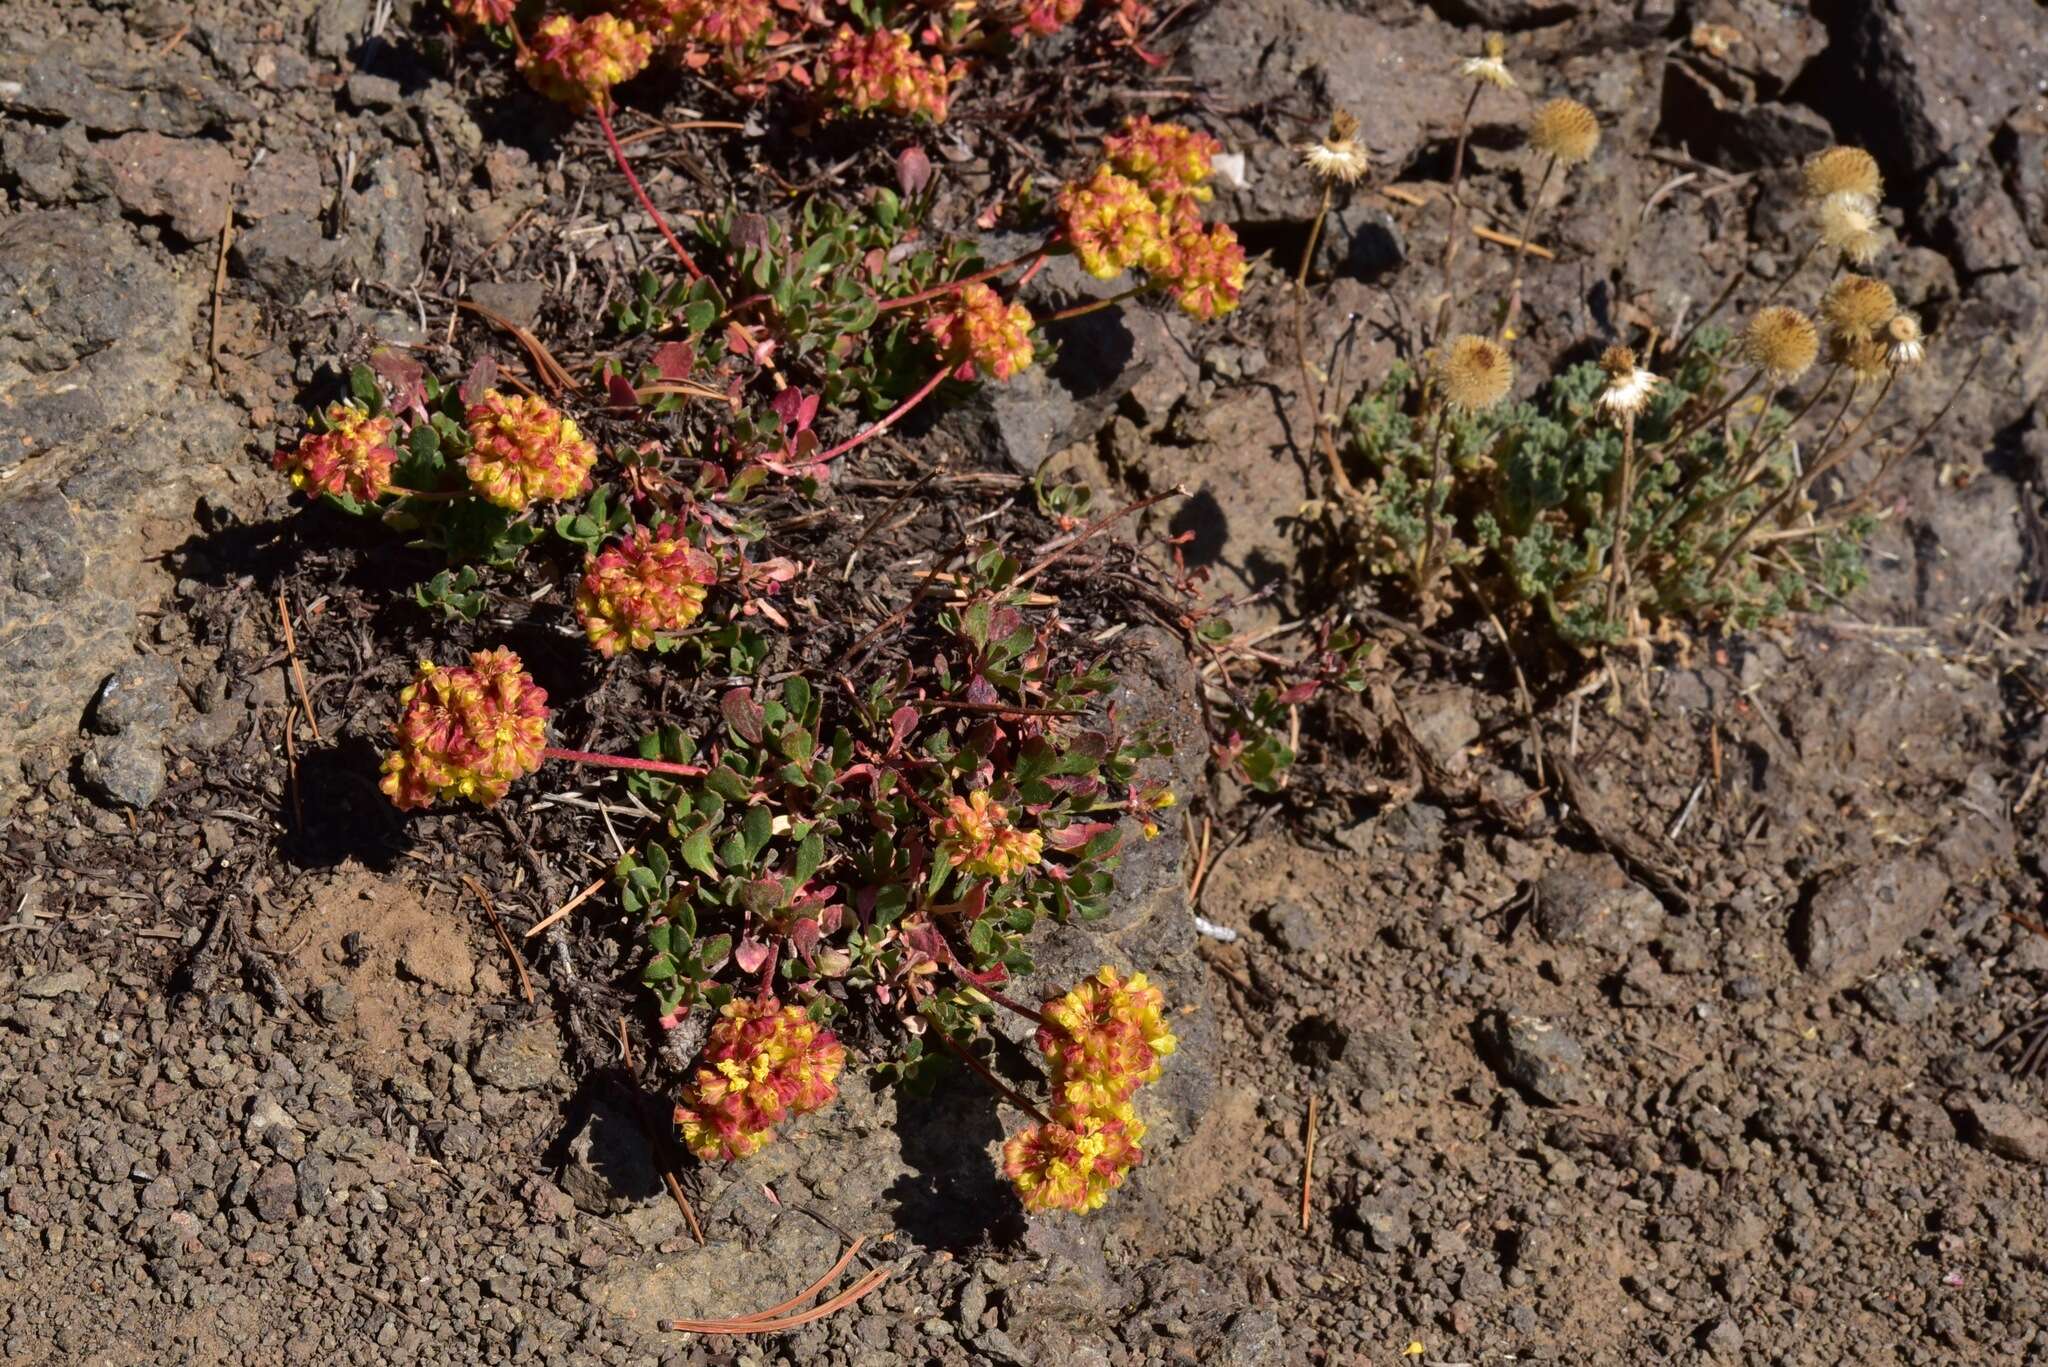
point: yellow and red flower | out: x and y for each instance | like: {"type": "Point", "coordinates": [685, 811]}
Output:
{"type": "Point", "coordinates": [763, 1063]}
{"type": "Point", "coordinates": [523, 451]}
{"type": "Point", "coordinates": [878, 70]}
{"type": "Point", "coordinates": [483, 12]}
{"type": "Point", "coordinates": [578, 61]}
{"type": "Point", "coordinates": [466, 732]}
{"type": "Point", "coordinates": [1107, 1039]}
{"type": "Point", "coordinates": [1113, 225]}
{"type": "Point", "coordinates": [1170, 161]}
{"type": "Point", "coordinates": [639, 588]}
{"type": "Point", "coordinates": [983, 335]}
{"type": "Point", "coordinates": [353, 457]}
{"type": "Point", "coordinates": [1074, 1161]}
{"type": "Point", "coordinates": [1206, 276]}
{"type": "Point", "coordinates": [975, 835]}
{"type": "Point", "coordinates": [1043, 18]}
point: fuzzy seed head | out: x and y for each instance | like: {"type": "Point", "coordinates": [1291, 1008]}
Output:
{"type": "Point", "coordinates": [1629, 386]}
{"type": "Point", "coordinates": [1907, 344]}
{"type": "Point", "coordinates": [1782, 342]}
{"type": "Point", "coordinates": [1476, 372]}
{"type": "Point", "coordinates": [1865, 358]}
{"type": "Point", "coordinates": [1857, 307]}
{"type": "Point", "coordinates": [1842, 170]}
{"type": "Point", "coordinates": [1849, 224]}
{"type": "Point", "coordinates": [1564, 129]}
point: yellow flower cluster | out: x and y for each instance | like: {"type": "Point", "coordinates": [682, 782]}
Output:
{"type": "Point", "coordinates": [523, 451]}
{"type": "Point", "coordinates": [466, 732]}
{"type": "Point", "coordinates": [578, 61]}
{"type": "Point", "coordinates": [353, 457]}
{"type": "Point", "coordinates": [975, 835]}
{"type": "Point", "coordinates": [640, 588]}
{"type": "Point", "coordinates": [764, 1063]}
{"type": "Point", "coordinates": [982, 335]}
{"type": "Point", "coordinates": [1140, 210]}
{"type": "Point", "coordinates": [1103, 1041]}
{"type": "Point", "coordinates": [878, 70]}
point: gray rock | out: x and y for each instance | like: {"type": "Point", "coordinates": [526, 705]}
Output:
{"type": "Point", "coordinates": [186, 180]}
{"type": "Point", "coordinates": [44, 162]}
{"type": "Point", "coordinates": [275, 1193]}
{"type": "Point", "coordinates": [2021, 149]}
{"type": "Point", "coordinates": [268, 1127]}
{"type": "Point", "coordinates": [337, 26]}
{"type": "Point", "coordinates": [1856, 919]}
{"type": "Point", "coordinates": [1291, 927]}
{"type": "Point", "coordinates": [334, 1003]}
{"type": "Point", "coordinates": [315, 1179]}
{"type": "Point", "coordinates": [2007, 1130]}
{"type": "Point", "coordinates": [1904, 997]}
{"type": "Point", "coordinates": [1586, 899]}
{"type": "Point", "coordinates": [140, 696]}
{"type": "Point", "coordinates": [519, 300]}
{"type": "Point", "coordinates": [1722, 1337]}
{"type": "Point", "coordinates": [288, 255]}
{"type": "Point", "coordinates": [1385, 1222]}
{"type": "Point", "coordinates": [367, 91]}
{"type": "Point", "coordinates": [521, 1059]}
{"type": "Point", "coordinates": [1741, 135]}
{"type": "Point", "coordinates": [127, 770]}
{"type": "Point", "coordinates": [108, 90]}
{"type": "Point", "coordinates": [1777, 40]}
{"type": "Point", "coordinates": [1539, 1056]}
{"type": "Point", "coordinates": [73, 981]}
{"type": "Point", "coordinates": [1934, 78]}
{"type": "Point", "coordinates": [159, 1194]}
{"type": "Point", "coordinates": [1252, 1339]}
{"type": "Point", "coordinates": [610, 1165]}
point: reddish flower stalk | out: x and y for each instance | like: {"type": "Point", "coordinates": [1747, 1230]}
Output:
{"type": "Point", "coordinates": [1035, 256]}
{"type": "Point", "coordinates": [1093, 305]}
{"type": "Point", "coordinates": [652, 766]}
{"type": "Point", "coordinates": [981, 1070]}
{"type": "Point", "coordinates": [604, 121]}
{"type": "Point", "coordinates": [889, 420]}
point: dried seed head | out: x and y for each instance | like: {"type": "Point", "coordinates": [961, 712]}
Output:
{"type": "Point", "coordinates": [1849, 224]}
{"type": "Point", "coordinates": [1343, 127]}
{"type": "Point", "coordinates": [1782, 342]}
{"type": "Point", "coordinates": [1866, 358]}
{"type": "Point", "coordinates": [1337, 157]}
{"type": "Point", "coordinates": [1907, 343]}
{"type": "Point", "coordinates": [1495, 45]}
{"type": "Point", "coordinates": [1476, 372]}
{"type": "Point", "coordinates": [1841, 170]}
{"type": "Point", "coordinates": [1564, 129]}
{"type": "Point", "coordinates": [1629, 386]}
{"type": "Point", "coordinates": [1618, 361]}
{"type": "Point", "coordinates": [1491, 68]}
{"type": "Point", "coordinates": [1856, 306]}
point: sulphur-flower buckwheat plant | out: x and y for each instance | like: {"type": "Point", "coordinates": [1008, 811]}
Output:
{"type": "Point", "coordinates": [1073, 1161]}
{"type": "Point", "coordinates": [578, 61]}
{"type": "Point", "coordinates": [879, 70]}
{"type": "Point", "coordinates": [1172, 162]}
{"type": "Point", "coordinates": [352, 458]}
{"type": "Point", "coordinates": [467, 732]}
{"type": "Point", "coordinates": [522, 451]}
{"type": "Point", "coordinates": [1113, 225]}
{"type": "Point", "coordinates": [976, 836]}
{"type": "Point", "coordinates": [764, 1063]}
{"type": "Point", "coordinates": [1206, 274]}
{"type": "Point", "coordinates": [1104, 1039]}
{"type": "Point", "coordinates": [641, 590]}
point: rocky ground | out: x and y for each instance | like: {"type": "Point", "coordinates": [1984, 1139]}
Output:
{"type": "Point", "coordinates": [1676, 1047]}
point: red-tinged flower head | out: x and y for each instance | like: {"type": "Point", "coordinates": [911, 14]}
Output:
{"type": "Point", "coordinates": [983, 335]}
{"type": "Point", "coordinates": [763, 1063]}
{"type": "Point", "coordinates": [468, 732]}
{"type": "Point", "coordinates": [1113, 225]}
{"type": "Point", "coordinates": [1207, 274]}
{"type": "Point", "coordinates": [1170, 161]}
{"type": "Point", "coordinates": [482, 12]}
{"type": "Point", "coordinates": [708, 23]}
{"type": "Point", "coordinates": [353, 457]}
{"type": "Point", "coordinates": [578, 61]}
{"type": "Point", "coordinates": [975, 834]}
{"type": "Point", "coordinates": [1107, 1039]}
{"type": "Point", "coordinates": [642, 587]}
{"type": "Point", "coordinates": [1076, 1160]}
{"type": "Point", "coordinates": [523, 451]}
{"type": "Point", "coordinates": [1043, 18]}
{"type": "Point", "coordinates": [878, 70]}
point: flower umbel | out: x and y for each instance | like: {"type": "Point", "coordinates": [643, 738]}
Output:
{"type": "Point", "coordinates": [1113, 225]}
{"type": "Point", "coordinates": [763, 1063]}
{"type": "Point", "coordinates": [482, 12]}
{"type": "Point", "coordinates": [1206, 276]}
{"type": "Point", "coordinates": [469, 732]}
{"type": "Point", "coordinates": [1110, 1038]}
{"type": "Point", "coordinates": [647, 585]}
{"type": "Point", "coordinates": [982, 335]}
{"type": "Point", "coordinates": [523, 451]}
{"type": "Point", "coordinates": [353, 457]}
{"type": "Point", "coordinates": [578, 61]}
{"type": "Point", "coordinates": [1170, 161]}
{"type": "Point", "coordinates": [1074, 1161]}
{"type": "Point", "coordinates": [878, 70]}
{"type": "Point", "coordinates": [975, 835]}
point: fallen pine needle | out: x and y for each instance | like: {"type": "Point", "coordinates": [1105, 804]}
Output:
{"type": "Point", "coordinates": [291, 649]}
{"type": "Point", "coordinates": [1508, 240]}
{"type": "Point", "coordinates": [1308, 1163]}
{"type": "Point", "coordinates": [563, 910]}
{"type": "Point", "coordinates": [525, 983]}
{"type": "Point", "coordinates": [675, 1189]}
{"type": "Point", "coordinates": [774, 1321]}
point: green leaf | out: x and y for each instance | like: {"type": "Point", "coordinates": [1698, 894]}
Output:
{"type": "Point", "coordinates": [797, 695]}
{"type": "Point", "coordinates": [810, 852]}
{"type": "Point", "coordinates": [362, 384]}
{"type": "Point", "coordinates": [659, 970]}
{"type": "Point", "coordinates": [757, 827]}
{"type": "Point", "coordinates": [732, 854]}
{"type": "Point", "coordinates": [697, 851]}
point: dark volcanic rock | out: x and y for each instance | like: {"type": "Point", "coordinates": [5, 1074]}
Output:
{"type": "Point", "coordinates": [1934, 78]}
{"type": "Point", "coordinates": [1856, 919]}
{"type": "Point", "coordinates": [1539, 1056]}
{"type": "Point", "coordinates": [112, 92]}
{"type": "Point", "coordinates": [1586, 899]}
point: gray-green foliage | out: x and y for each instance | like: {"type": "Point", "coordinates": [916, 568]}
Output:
{"type": "Point", "coordinates": [1529, 512]}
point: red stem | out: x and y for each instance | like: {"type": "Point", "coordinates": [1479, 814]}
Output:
{"type": "Point", "coordinates": [952, 286]}
{"type": "Point", "coordinates": [981, 1070]}
{"type": "Point", "coordinates": [888, 421]}
{"type": "Point", "coordinates": [652, 766]}
{"type": "Point", "coordinates": [604, 121]}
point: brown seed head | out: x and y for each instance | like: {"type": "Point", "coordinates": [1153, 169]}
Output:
{"type": "Point", "coordinates": [1565, 129]}
{"type": "Point", "coordinates": [1866, 358]}
{"type": "Point", "coordinates": [1342, 126]}
{"type": "Point", "coordinates": [1856, 306]}
{"type": "Point", "coordinates": [1476, 372]}
{"type": "Point", "coordinates": [1841, 170]}
{"type": "Point", "coordinates": [1618, 361]}
{"type": "Point", "coordinates": [1782, 342]}
{"type": "Point", "coordinates": [1907, 343]}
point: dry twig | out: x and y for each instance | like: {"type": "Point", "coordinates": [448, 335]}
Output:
{"type": "Point", "coordinates": [519, 964]}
